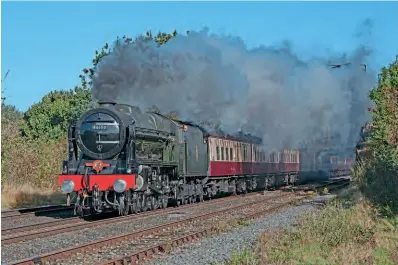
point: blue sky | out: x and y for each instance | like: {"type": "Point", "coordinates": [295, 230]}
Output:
{"type": "Point", "coordinates": [46, 44]}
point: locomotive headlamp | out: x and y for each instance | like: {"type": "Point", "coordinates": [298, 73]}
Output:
{"type": "Point", "coordinates": [67, 186]}
{"type": "Point", "coordinates": [119, 185]}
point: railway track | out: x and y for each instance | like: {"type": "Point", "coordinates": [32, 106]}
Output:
{"type": "Point", "coordinates": [23, 212]}
{"type": "Point", "coordinates": [168, 233]}
{"type": "Point", "coordinates": [333, 184]}
{"type": "Point", "coordinates": [338, 183]}
{"type": "Point", "coordinates": [22, 233]}
{"type": "Point", "coordinates": [26, 233]}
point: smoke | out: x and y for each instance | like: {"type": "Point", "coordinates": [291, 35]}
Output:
{"type": "Point", "coordinates": [268, 91]}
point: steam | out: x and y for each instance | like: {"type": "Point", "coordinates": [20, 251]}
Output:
{"type": "Point", "coordinates": [269, 92]}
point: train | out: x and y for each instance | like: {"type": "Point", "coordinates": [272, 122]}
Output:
{"type": "Point", "coordinates": [124, 160]}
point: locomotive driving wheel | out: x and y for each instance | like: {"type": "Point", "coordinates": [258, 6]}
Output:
{"type": "Point", "coordinates": [154, 203]}
{"type": "Point", "coordinates": [144, 203]}
{"type": "Point", "coordinates": [134, 207]}
{"type": "Point", "coordinates": [127, 203]}
{"type": "Point", "coordinates": [165, 201]}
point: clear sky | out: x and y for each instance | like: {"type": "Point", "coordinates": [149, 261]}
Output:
{"type": "Point", "coordinates": [47, 44]}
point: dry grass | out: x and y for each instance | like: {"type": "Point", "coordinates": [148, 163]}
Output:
{"type": "Point", "coordinates": [335, 235]}
{"type": "Point", "coordinates": [29, 168]}
{"type": "Point", "coordinates": [28, 196]}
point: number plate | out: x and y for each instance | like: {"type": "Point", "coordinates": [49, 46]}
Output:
{"type": "Point", "coordinates": [99, 127]}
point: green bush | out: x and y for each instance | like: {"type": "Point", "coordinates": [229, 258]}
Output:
{"type": "Point", "coordinates": [50, 118]}
{"type": "Point", "coordinates": [377, 175]}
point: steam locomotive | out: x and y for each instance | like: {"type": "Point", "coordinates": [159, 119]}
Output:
{"type": "Point", "coordinates": [122, 159]}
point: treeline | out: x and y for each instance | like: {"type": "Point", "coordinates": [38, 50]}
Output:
{"type": "Point", "coordinates": [377, 172]}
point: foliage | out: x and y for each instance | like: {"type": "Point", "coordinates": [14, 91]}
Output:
{"type": "Point", "coordinates": [377, 173]}
{"type": "Point", "coordinates": [26, 161]}
{"type": "Point", "coordinates": [10, 113]}
{"type": "Point", "coordinates": [385, 116]}
{"type": "Point", "coordinates": [50, 118]}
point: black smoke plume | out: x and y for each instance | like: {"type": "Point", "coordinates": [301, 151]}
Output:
{"type": "Point", "coordinates": [267, 91]}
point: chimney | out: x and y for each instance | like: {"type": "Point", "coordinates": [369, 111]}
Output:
{"type": "Point", "coordinates": [106, 103]}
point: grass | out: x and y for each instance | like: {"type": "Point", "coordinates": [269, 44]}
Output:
{"type": "Point", "coordinates": [29, 196]}
{"type": "Point", "coordinates": [337, 234]}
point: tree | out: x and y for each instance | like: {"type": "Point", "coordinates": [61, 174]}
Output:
{"type": "Point", "coordinates": [377, 175]}
{"type": "Point", "coordinates": [50, 118]}
{"type": "Point", "coordinates": [385, 116]}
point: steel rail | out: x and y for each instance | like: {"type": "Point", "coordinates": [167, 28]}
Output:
{"type": "Point", "coordinates": [68, 226]}
{"type": "Point", "coordinates": [145, 254]}
{"type": "Point", "coordinates": [52, 256]}
{"type": "Point", "coordinates": [34, 211]}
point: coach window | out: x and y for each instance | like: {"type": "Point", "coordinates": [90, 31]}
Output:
{"type": "Point", "coordinates": [226, 154]}
{"type": "Point", "coordinates": [218, 152]}
{"type": "Point", "coordinates": [222, 153]}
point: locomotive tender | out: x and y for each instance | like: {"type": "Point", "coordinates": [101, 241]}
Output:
{"type": "Point", "coordinates": [122, 159]}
